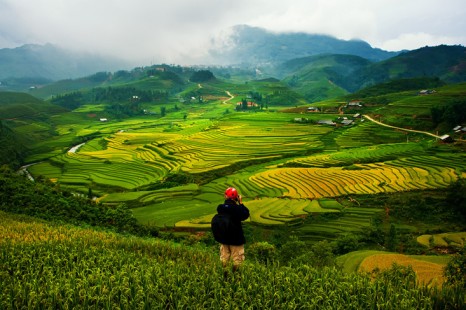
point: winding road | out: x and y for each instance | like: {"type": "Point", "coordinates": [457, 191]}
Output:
{"type": "Point", "coordinates": [231, 97]}
{"type": "Point", "coordinates": [403, 129]}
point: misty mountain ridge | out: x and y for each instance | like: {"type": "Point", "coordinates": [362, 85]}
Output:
{"type": "Point", "coordinates": [316, 66]}
{"type": "Point", "coordinates": [241, 45]}
{"type": "Point", "coordinates": [253, 45]}
{"type": "Point", "coordinates": [50, 62]}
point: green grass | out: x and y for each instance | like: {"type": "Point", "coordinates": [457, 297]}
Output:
{"type": "Point", "coordinates": [52, 266]}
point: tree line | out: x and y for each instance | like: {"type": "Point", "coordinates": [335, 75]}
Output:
{"type": "Point", "coordinates": [46, 200]}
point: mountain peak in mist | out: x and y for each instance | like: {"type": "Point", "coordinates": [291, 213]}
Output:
{"type": "Point", "coordinates": [52, 62]}
{"type": "Point", "coordinates": [254, 45]}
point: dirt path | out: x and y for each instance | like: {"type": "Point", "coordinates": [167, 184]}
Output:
{"type": "Point", "coordinates": [231, 97]}
{"type": "Point", "coordinates": [403, 129]}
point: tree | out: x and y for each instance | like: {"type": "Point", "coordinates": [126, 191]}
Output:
{"type": "Point", "coordinates": [201, 76]}
{"type": "Point", "coordinates": [455, 271]}
{"type": "Point", "coordinates": [346, 243]}
{"type": "Point", "coordinates": [163, 111]}
{"type": "Point", "coordinates": [244, 104]}
{"type": "Point", "coordinates": [456, 196]}
{"type": "Point", "coordinates": [292, 249]}
{"type": "Point", "coordinates": [322, 254]}
{"type": "Point", "coordinates": [392, 240]}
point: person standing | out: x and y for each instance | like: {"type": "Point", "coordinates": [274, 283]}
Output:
{"type": "Point", "coordinates": [228, 230]}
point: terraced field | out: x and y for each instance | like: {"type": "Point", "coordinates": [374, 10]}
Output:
{"type": "Point", "coordinates": [429, 269]}
{"type": "Point", "coordinates": [288, 170]}
{"type": "Point", "coordinates": [144, 156]}
{"type": "Point", "coordinates": [277, 211]}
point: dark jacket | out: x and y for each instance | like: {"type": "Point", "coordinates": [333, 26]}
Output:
{"type": "Point", "coordinates": [238, 213]}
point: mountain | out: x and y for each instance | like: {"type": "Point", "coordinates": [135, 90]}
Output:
{"type": "Point", "coordinates": [253, 45]}
{"type": "Point", "coordinates": [322, 76]}
{"type": "Point", "coordinates": [48, 62]}
{"type": "Point", "coordinates": [445, 62]}
{"type": "Point", "coordinates": [325, 76]}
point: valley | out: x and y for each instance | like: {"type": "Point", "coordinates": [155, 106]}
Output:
{"type": "Point", "coordinates": [345, 170]}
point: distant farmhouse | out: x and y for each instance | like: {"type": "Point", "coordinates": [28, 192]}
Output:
{"type": "Point", "coordinates": [313, 109]}
{"type": "Point", "coordinates": [346, 122]}
{"type": "Point", "coordinates": [446, 139]}
{"type": "Point", "coordinates": [326, 122]}
{"type": "Point", "coordinates": [426, 92]}
{"type": "Point", "coordinates": [301, 120]}
{"type": "Point", "coordinates": [250, 104]}
{"type": "Point", "coordinates": [354, 104]}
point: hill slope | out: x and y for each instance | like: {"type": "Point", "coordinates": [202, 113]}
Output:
{"type": "Point", "coordinates": [24, 120]}
{"type": "Point", "coordinates": [66, 267]}
{"type": "Point", "coordinates": [325, 76]}
{"type": "Point", "coordinates": [322, 76]}
{"type": "Point", "coordinates": [445, 62]}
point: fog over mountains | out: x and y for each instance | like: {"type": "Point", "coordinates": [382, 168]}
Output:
{"type": "Point", "coordinates": [50, 62]}
{"type": "Point", "coordinates": [239, 45]}
{"type": "Point", "coordinates": [252, 45]}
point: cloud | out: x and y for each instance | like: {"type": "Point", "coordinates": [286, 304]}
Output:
{"type": "Point", "coordinates": [180, 31]}
{"type": "Point", "coordinates": [412, 41]}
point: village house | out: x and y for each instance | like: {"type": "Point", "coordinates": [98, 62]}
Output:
{"type": "Point", "coordinates": [301, 120]}
{"type": "Point", "coordinates": [313, 109]}
{"type": "Point", "coordinates": [446, 139]}
{"type": "Point", "coordinates": [103, 119]}
{"type": "Point", "coordinates": [426, 92]}
{"type": "Point", "coordinates": [326, 122]}
{"type": "Point", "coordinates": [354, 104]}
{"type": "Point", "coordinates": [346, 122]}
{"type": "Point", "coordinates": [250, 104]}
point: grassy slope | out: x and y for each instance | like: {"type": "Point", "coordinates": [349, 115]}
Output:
{"type": "Point", "coordinates": [45, 265]}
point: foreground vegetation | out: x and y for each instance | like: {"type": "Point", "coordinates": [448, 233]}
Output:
{"type": "Point", "coordinates": [51, 266]}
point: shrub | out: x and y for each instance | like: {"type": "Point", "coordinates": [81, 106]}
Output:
{"type": "Point", "coordinates": [262, 252]}
{"type": "Point", "coordinates": [455, 271]}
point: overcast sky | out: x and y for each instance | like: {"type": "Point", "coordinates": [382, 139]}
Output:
{"type": "Point", "coordinates": [179, 31]}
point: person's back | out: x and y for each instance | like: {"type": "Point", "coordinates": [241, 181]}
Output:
{"type": "Point", "coordinates": [232, 243]}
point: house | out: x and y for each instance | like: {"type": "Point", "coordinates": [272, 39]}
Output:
{"type": "Point", "coordinates": [249, 104]}
{"type": "Point", "coordinates": [103, 119]}
{"type": "Point", "coordinates": [346, 122]}
{"type": "Point", "coordinates": [301, 120]}
{"type": "Point", "coordinates": [354, 104]}
{"type": "Point", "coordinates": [326, 122]}
{"type": "Point", "coordinates": [426, 92]}
{"type": "Point", "coordinates": [446, 139]}
{"type": "Point", "coordinates": [457, 129]}
{"type": "Point", "coordinates": [357, 115]}
{"type": "Point", "coordinates": [313, 109]}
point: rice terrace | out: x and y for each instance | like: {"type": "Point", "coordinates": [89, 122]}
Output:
{"type": "Point", "coordinates": [281, 165]}
{"type": "Point", "coordinates": [361, 179]}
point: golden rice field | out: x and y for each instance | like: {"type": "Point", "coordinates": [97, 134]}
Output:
{"type": "Point", "coordinates": [427, 272]}
{"type": "Point", "coordinates": [336, 181]}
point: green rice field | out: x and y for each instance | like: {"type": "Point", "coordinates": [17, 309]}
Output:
{"type": "Point", "coordinates": [286, 170]}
